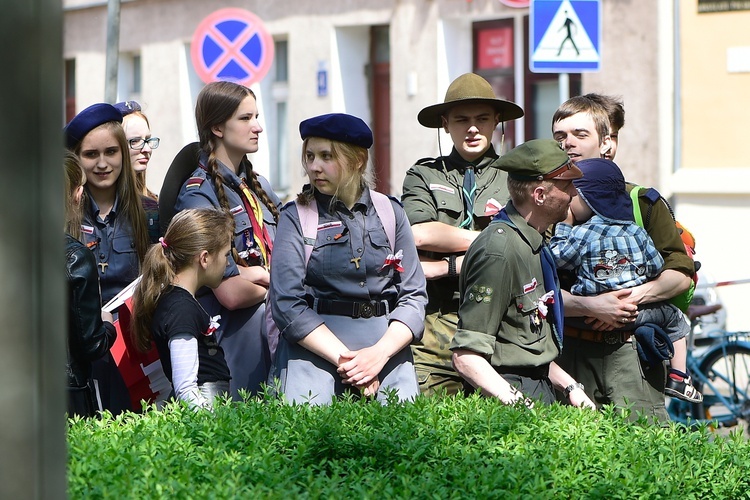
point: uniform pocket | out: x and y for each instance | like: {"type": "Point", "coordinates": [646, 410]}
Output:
{"type": "Point", "coordinates": [449, 203]}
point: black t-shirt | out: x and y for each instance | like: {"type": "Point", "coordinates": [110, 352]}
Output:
{"type": "Point", "coordinates": [179, 313]}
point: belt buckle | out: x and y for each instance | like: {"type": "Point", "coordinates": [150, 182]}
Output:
{"type": "Point", "coordinates": [366, 310]}
{"type": "Point", "coordinates": [612, 337]}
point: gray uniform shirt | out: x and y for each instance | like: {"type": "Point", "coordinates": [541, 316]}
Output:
{"type": "Point", "coordinates": [332, 273]}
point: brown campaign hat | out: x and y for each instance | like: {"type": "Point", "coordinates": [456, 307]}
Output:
{"type": "Point", "coordinates": [468, 88]}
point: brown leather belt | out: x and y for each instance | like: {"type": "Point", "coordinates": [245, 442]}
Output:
{"type": "Point", "coordinates": [615, 337]}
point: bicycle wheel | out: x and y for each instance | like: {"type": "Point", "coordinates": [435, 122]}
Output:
{"type": "Point", "coordinates": [726, 387]}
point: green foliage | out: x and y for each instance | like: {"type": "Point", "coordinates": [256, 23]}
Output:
{"type": "Point", "coordinates": [451, 447]}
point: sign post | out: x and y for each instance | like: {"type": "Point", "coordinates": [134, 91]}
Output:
{"type": "Point", "coordinates": [565, 36]}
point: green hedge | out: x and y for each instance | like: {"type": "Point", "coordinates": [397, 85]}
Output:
{"type": "Point", "coordinates": [434, 448]}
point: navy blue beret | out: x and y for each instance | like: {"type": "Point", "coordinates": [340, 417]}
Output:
{"type": "Point", "coordinates": [87, 120]}
{"type": "Point", "coordinates": [337, 127]}
{"type": "Point", "coordinates": [127, 107]}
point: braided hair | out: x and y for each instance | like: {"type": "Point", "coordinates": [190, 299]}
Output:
{"type": "Point", "coordinates": [216, 104]}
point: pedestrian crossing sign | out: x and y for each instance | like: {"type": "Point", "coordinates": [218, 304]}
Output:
{"type": "Point", "coordinates": [565, 36]}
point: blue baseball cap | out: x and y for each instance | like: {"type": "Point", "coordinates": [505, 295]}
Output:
{"type": "Point", "coordinates": [602, 187]}
{"type": "Point", "coordinates": [337, 127]}
{"type": "Point", "coordinates": [87, 120]}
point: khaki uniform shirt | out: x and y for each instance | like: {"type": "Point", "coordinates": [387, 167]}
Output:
{"type": "Point", "coordinates": [501, 286]}
{"type": "Point", "coordinates": [432, 192]}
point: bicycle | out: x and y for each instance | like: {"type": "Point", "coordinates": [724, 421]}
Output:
{"type": "Point", "coordinates": [721, 372]}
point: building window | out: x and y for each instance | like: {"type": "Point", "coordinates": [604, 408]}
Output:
{"type": "Point", "coordinates": [70, 89]}
{"type": "Point", "coordinates": [494, 59]}
{"type": "Point", "coordinates": [280, 164]}
{"type": "Point", "coordinates": [129, 77]}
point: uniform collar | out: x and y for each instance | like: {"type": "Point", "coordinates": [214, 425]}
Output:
{"type": "Point", "coordinates": [531, 236]}
{"type": "Point", "coordinates": [95, 208]}
{"type": "Point", "coordinates": [456, 161]}
{"type": "Point", "coordinates": [230, 178]}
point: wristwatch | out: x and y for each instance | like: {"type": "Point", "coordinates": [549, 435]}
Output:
{"type": "Point", "coordinates": [451, 260]}
{"type": "Point", "coordinates": [571, 388]}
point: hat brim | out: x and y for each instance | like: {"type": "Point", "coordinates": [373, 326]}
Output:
{"type": "Point", "coordinates": [431, 116]}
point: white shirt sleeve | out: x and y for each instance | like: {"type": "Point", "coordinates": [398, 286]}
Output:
{"type": "Point", "coordinates": [183, 351]}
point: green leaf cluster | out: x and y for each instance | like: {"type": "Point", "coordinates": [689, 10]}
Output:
{"type": "Point", "coordinates": [441, 447]}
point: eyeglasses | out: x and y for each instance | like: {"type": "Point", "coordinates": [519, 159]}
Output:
{"type": "Point", "coordinates": [139, 143]}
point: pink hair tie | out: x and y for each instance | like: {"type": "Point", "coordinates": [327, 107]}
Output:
{"type": "Point", "coordinates": [163, 243]}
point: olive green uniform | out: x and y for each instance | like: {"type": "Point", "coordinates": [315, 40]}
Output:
{"type": "Point", "coordinates": [502, 287]}
{"type": "Point", "coordinates": [613, 373]}
{"type": "Point", "coordinates": [432, 192]}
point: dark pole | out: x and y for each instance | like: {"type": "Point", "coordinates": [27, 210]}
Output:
{"type": "Point", "coordinates": [32, 295]}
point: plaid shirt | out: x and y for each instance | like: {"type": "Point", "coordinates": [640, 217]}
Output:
{"type": "Point", "coordinates": [605, 255]}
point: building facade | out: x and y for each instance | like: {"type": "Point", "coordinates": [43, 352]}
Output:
{"type": "Point", "coordinates": [384, 60]}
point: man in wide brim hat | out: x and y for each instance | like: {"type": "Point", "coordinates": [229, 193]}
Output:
{"type": "Point", "coordinates": [468, 88]}
{"type": "Point", "coordinates": [448, 200]}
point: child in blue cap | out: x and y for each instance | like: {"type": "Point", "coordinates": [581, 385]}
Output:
{"type": "Point", "coordinates": [607, 250]}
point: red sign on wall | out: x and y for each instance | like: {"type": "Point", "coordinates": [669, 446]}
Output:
{"type": "Point", "coordinates": [495, 48]}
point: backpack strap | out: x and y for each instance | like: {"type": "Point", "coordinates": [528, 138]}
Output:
{"type": "Point", "coordinates": [636, 206]}
{"type": "Point", "coordinates": [387, 216]}
{"type": "Point", "coordinates": [308, 219]}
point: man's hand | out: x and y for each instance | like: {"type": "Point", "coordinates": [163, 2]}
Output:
{"type": "Point", "coordinates": [611, 310]}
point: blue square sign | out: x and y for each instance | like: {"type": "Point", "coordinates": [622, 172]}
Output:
{"type": "Point", "coordinates": [565, 36]}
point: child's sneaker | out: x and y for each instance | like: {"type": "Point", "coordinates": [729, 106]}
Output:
{"type": "Point", "coordinates": [684, 390]}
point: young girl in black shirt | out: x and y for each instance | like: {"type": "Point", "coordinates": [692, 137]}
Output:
{"type": "Point", "coordinates": [191, 255]}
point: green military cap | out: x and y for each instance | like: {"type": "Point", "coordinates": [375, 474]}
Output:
{"type": "Point", "coordinates": [537, 160]}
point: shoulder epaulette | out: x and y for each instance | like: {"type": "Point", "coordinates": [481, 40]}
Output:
{"type": "Point", "coordinates": [194, 182]}
{"type": "Point", "coordinates": [396, 200]}
{"type": "Point", "coordinates": [426, 161]}
{"type": "Point", "coordinates": [287, 204]}
{"type": "Point", "coordinates": [651, 195]}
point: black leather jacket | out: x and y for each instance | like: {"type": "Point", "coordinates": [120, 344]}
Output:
{"type": "Point", "coordinates": [89, 338]}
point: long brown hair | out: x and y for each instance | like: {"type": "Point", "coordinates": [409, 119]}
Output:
{"type": "Point", "coordinates": [216, 104]}
{"type": "Point", "coordinates": [129, 198]}
{"type": "Point", "coordinates": [352, 159]}
{"type": "Point", "coordinates": [75, 177]}
{"type": "Point", "coordinates": [190, 232]}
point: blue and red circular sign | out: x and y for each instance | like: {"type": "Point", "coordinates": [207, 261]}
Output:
{"type": "Point", "coordinates": [518, 4]}
{"type": "Point", "coordinates": [231, 44]}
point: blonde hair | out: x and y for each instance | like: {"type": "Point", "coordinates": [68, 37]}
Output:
{"type": "Point", "coordinates": [351, 159]}
{"type": "Point", "coordinates": [189, 233]}
{"type": "Point", "coordinates": [75, 177]}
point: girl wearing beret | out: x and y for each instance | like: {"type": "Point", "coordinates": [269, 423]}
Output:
{"type": "Point", "coordinates": [349, 306]}
{"type": "Point", "coordinates": [221, 176]}
{"type": "Point", "coordinates": [115, 226]}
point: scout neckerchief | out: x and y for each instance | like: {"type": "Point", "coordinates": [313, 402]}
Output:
{"type": "Point", "coordinates": [549, 274]}
{"type": "Point", "coordinates": [469, 186]}
{"type": "Point", "coordinates": [260, 232]}
{"type": "Point", "coordinates": [254, 211]}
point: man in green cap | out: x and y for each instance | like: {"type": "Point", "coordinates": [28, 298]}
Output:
{"type": "Point", "coordinates": [511, 318]}
{"type": "Point", "coordinates": [448, 200]}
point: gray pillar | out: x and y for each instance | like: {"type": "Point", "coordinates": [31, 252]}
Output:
{"type": "Point", "coordinates": [32, 313]}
